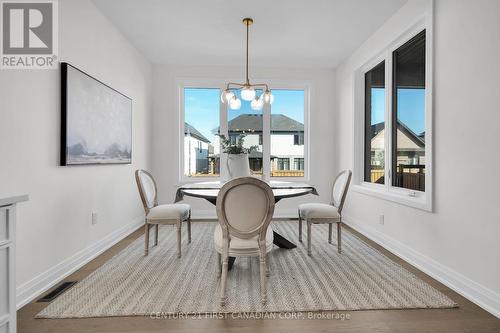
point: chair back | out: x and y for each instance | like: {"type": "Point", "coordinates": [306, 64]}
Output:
{"type": "Point", "coordinates": [245, 207]}
{"type": "Point", "coordinates": [147, 189]}
{"type": "Point", "coordinates": [340, 187]}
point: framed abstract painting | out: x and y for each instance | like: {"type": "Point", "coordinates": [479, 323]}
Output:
{"type": "Point", "coordinates": [96, 121]}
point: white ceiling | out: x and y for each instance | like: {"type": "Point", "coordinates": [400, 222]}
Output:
{"type": "Point", "coordinates": [285, 33]}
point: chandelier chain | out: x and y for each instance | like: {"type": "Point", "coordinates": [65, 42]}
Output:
{"type": "Point", "coordinates": [248, 80]}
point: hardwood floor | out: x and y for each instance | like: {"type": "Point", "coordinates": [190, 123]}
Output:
{"type": "Point", "coordinates": [467, 318]}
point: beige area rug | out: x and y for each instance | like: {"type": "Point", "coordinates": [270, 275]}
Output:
{"type": "Point", "coordinates": [358, 279]}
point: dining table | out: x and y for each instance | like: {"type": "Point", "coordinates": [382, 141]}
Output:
{"type": "Point", "coordinates": [209, 190]}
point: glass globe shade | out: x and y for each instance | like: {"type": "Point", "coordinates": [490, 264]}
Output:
{"type": "Point", "coordinates": [248, 93]}
{"type": "Point", "coordinates": [257, 104]}
{"type": "Point", "coordinates": [268, 97]}
{"type": "Point", "coordinates": [235, 103]}
{"type": "Point", "coordinates": [226, 96]}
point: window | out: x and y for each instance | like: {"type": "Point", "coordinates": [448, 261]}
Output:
{"type": "Point", "coordinates": [298, 164]}
{"type": "Point", "coordinates": [408, 128]}
{"type": "Point", "coordinates": [276, 134]}
{"type": "Point", "coordinates": [374, 124]}
{"type": "Point", "coordinates": [298, 139]}
{"type": "Point", "coordinates": [233, 138]}
{"type": "Point", "coordinates": [392, 115]}
{"type": "Point", "coordinates": [283, 164]}
{"type": "Point", "coordinates": [201, 116]}
{"type": "Point", "coordinates": [287, 132]}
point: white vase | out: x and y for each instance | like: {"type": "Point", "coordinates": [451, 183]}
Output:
{"type": "Point", "coordinates": [238, 165]}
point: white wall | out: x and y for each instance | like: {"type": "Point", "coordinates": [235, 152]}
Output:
{"type": "Point", "coordinates": [166, 127]}
{"type": "Point", "coordinates": [55, 225]}
{"type": "Point", "coordinates": [459, 241]}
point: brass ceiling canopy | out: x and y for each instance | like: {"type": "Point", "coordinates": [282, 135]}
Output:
{"type": "Point", "coordinates": [247, 21]}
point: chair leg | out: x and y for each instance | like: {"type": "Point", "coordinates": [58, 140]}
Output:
{"type": "Point", "coordinates": [156, 234]}
{"type": "Point", "coordinates": [263, 278]}
{"type": "Point", "coordinates": [300, 228]}
{"type": "Point", "coordinates": [179, 240]}
{"type": "Point", "coordinates": [339, 237]}
{"type": "Point", "coordinates": [223, 280]}
{"type": "Point", "coordinates": [219, 265]}
{"type": "Point", "coordinates": [268, 266]}
{"type": "Point", "coordinates": [146, 239]}
{"type": "Point", "coordinates": [309, 231]}
{"type": "Point", "coordinates": [189, 227]}
{"type": "Point", "coordinates": [330, 227]}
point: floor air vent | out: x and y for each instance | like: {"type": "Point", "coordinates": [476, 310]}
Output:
{"type": "Point", "coordinates": [57, 291]}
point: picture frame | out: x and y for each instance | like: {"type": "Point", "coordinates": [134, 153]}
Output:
{"type": "Point", "coordinates": [96, 121]}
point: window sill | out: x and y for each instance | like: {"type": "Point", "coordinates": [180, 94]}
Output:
{"type": "Point", "coordinates": [186, 180]}
{"type": "Point", "coordinates": [420, 201]}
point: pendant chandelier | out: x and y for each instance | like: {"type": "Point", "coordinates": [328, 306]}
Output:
{"type": "Point", "coordinates": [247, 90]}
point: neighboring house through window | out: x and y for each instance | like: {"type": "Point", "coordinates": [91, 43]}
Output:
{"type": "Point", "coordinates": [285, 141]}
{"type": "Point", "coordinates": [201, 113]}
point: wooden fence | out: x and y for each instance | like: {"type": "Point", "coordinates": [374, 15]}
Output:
{"type": "Point", "coordinates": [408, 176]}
{"type": "Point", "coordinates": [377, 176]}
{"type": "Point", "coordinates": [287, 173]}
{"type": "Point", "coordinates": [411, 177]}
{"type": "Point", "coordinates": [275, 173]}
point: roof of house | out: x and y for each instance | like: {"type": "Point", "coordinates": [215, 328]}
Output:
{"type": "Point", "coordinates": [253, 123]}
{"type": "Point", "coordinates": [418, 139]}
{"type": "Point", "coordinates": [188, 129]}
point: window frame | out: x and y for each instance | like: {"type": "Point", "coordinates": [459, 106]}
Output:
{"type": "Point", "coordinates": [365, 119]}
{"type": "Point", "coordinates": [387, 191]}
{"type": "Point", "coordinates": [206, 83]}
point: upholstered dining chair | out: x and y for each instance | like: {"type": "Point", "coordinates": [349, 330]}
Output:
{"type": "Point", "coordinates": [173, 214]}
{"type": "Point", "coordinates": [245, 207]}
{"type": "Point", "coordinates": [318, 213]}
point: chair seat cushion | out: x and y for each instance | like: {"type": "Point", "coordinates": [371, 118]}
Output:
{"type": "Point", "coordinates": [318, 211]}
{"type": "Point", "coordinates": [239, 246]}
{"type": "Point", "coordinates": [169, 212]}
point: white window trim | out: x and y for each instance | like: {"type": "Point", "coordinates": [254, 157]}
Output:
{"type": "Point", "coordinates": [182, 83]}
{"type": "Point", "coordinates": [295, 85]}
{"type": "Point", "coordinates": [416, 199]}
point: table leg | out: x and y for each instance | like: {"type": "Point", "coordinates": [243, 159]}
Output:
{"type": "Point", "coordinates": [230, 262]}
{"type": "Point", "coordinates": [282, 242]}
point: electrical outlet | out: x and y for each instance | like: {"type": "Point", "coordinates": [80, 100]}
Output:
{"type": "Point", "coordinates": [381, 219]}
{"type": "Point", "coordinates": [95, 218]}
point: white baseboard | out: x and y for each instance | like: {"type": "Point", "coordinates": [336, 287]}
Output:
{"type": "Point", "coordinates": [484, 297]}
{"type": "Point", "coordinates": [32, 289]}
